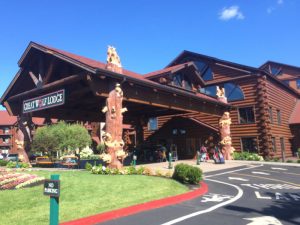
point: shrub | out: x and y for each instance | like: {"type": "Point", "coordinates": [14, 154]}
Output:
{"type": "Point", "coordinates": [3, 163]}
{"type": "Point", "coordinates": [246, 156]}
{"type": "Point", "coordinates": [187, 174]}
{"type": "Point", "coordinates": [289, 161]}
{"type": "Point", "coordinates": [101, 148]}
{"type": "Point", "coordinates": [88, 166]}
{"type": "Point", "coordinates": [298, 161]}
{"type": "Point", "coordinates": [11, 164]}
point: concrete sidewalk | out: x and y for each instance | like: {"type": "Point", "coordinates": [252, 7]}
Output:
{"type": "Point", "coordinates": [210, 166]}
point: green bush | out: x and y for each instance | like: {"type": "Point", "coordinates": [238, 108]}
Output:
{"type": "Point", "coordinates": [88, 166]}
{"type": "Point", "coordinates": [298, 161]}
{"type": "Point", "coordinates": [289, 161]}
{"type": "Point", "coordinates": [246, 156]}
{"type": "Point", "coordinates": [11, 164]}
{"type": "Point", "coordinates": [298, 150]}
{"type": "Point", "coordinates": [187, 174]}
{"type": "Point", "coordinates": [3, 162]}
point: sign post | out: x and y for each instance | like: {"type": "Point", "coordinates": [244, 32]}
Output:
{"type": "Point", "coordinates": [52, 189]}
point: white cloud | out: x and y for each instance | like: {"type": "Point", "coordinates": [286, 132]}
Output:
{"type": "Point", "coordinates": [232, 12]}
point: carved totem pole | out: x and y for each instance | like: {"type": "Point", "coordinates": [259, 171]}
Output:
{"type": "Point", "coordinates": [112, 137]}
{"type": "Point", "coordinates": [224, 125]}
{"type": "Point", "coordinates": [23, 138]}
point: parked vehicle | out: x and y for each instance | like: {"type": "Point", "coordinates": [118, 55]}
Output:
{"type": "Point", "coordinates": [43, 161]}
{"type": "Point", "coordinates": [69, 161]}
{"type": "Point", "coordinates": [12, 157]}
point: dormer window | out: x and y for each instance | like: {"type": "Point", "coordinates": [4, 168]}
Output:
{"type": "Point", "coordinates": [275, 71]}
{"type": "Point", "coordinates": [204, 70]}
{"type": "Point", "coordinates": [177, 79]}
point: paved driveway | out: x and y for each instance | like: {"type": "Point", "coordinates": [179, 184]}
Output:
{"type": "Point", "coordinates": [252, 194]}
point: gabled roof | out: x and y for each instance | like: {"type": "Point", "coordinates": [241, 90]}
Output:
{"type": "Point", "coordinates": [97, 67]}
{"type": "Point", "coordinates": [295, 116]}
{"type": "Point", "coordinates": [165, 70]}
{"type": "Point", "coordinates": [279, 64]}
{"type": "Point", "coordinates": [81, 59]}
{"type": "Point", "coordinates": [186, 53]}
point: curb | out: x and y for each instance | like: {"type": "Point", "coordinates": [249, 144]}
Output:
{"type": "Point", "coordinates": [118, 213]}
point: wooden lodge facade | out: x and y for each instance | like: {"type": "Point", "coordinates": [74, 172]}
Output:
{"type": "Point", "coordinates": [176, 106]}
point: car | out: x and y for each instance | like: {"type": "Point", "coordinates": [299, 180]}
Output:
{"type": "Point", "coordinates": [43, 161]}
{"type": "Point", "coordinates": [12, 157]}
{"type": "Point", "coordinates": [69, 161]}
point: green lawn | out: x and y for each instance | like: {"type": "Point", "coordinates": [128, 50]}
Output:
{"type": "Point", "coordinates": [83, 194]}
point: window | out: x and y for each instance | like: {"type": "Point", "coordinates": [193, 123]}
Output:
{"type": "Point", "coordinates": [249, 144]}
{"type": "Point", "coordinates": [207, 75]}
{"type": "Point", "coordinates": [276, 71]}
{"type": "Point", "coordinates": [271, 114]}
{"type": "Point", "coordinates": [177, 80]}
{"type": "Point", "coordinates": [287, 82]}
{"type": "Point", "coordinates": [298, 83]}
{"type": "Point", "coordinates": [246, 115]}
{"type": "Point", "coordinates": [152, 123]}
{"type": "Point", "coordinates": [211, 91]}
{"type": "Point", "coordinates": [233, 92]}
{"type": "Point", "coordinates": [278, 117]}
{"type": "Point", "coordinates": [6, 130]}
{"type": "Point", "coordinates": [204, 69]}
{"type": "Point", "coordinates": [6, 140]}
{"type": "Point", "coordinates": [274, 144]}
{"type": "Point", "coordinates": [282, 144]}
{"type": "Point", "coordinates": [187, 84]}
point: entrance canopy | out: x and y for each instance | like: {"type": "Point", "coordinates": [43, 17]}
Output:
{"type": "Point", "coordinates": [52, 83]}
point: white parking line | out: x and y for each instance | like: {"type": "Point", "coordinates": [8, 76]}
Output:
{"type": "Point", "coordinates": [237, 178]}
{"type": "Point", "coordinates": [232, 171]}
{"type": "Point", "coordinates": [235, 198]}
{"type": "Point", "coordinates": [277, 168]}
{"type": "Point", "coordinates": [262, 173]}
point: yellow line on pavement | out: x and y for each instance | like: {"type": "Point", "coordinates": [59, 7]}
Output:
{"type": "Point", "coordinates": [266, 178]}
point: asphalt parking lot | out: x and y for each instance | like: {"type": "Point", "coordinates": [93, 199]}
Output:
{"type": "Point", "coordinates": [247, 195]}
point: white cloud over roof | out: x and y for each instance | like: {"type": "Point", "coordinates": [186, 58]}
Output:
{"type": "Point", "coordinates": [232, 12]}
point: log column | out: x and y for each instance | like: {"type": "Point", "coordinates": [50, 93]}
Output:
{"type": "Point", "coordinates": [263, 117]}
{"type": "Point", "coordinates": [112, 136]}
{"type": "Point", "coordinates": [24, 137]}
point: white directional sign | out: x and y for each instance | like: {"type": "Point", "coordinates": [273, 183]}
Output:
{"type": "Point", "coordinates": [272, 186]}
{"type": "Point", "coordinates": [263, 220]}
{"type": "Point", "coordinates": [211, 197]}
{"type": "Point", "coordinates": [261, 197]}
{"type": "Point", "coordinates": [262, 173]}
{"type": "Point", "coordinates": [237, 178]}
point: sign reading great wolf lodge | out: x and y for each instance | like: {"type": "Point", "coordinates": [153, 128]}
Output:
{"type": "Point", "coordinates": [46, 101]}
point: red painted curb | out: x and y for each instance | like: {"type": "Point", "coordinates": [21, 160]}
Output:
{"type": "Point", "coordinates": [99, 218]}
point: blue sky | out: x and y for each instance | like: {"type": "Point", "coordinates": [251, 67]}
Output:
{"type": "Point", "coordinates": [148, 34]}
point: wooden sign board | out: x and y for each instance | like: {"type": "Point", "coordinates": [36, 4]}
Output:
{"type": "Point", "coordinates": [52, 188]}
{"type": "Point", "coordinates": [43, 102]}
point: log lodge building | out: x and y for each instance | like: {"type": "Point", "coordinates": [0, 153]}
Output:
{"type": "Point", "coordinates": [175, 106]}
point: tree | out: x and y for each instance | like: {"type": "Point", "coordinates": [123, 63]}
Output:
{"type": "Point", "coordinates": [60, 137]}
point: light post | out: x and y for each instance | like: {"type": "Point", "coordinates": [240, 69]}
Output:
{"type": "Point", "coordinates": [134, 160]}
{"type": "Point", "coordinates": [170, 160]}
{"type": "Point", "coordinates": [198, 158]}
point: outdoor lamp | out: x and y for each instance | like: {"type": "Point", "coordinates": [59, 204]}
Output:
{"type": "Point", "coordinates": [134, 160]}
